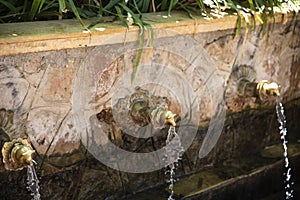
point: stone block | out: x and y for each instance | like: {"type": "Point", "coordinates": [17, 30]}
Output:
{"type": "Point", "coordinates": [13, 92]}
{"type": "Point", "coordinates": [42, 126]}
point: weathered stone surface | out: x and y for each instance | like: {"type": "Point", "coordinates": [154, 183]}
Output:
{"type": "Point", "coordinates": [54, 87]}
{"type": "Point", "coordinates": [222, 47]}
{"type": "Point", "coordinates": [40, 88]}
{"type": "Point", "coordinates": [68, 138]}
{"type": "Point", "coordinates": [42, 126]}
{"type": "Point", "coordinates": [108, 77]}
{"type": "Point", "coordinates": [8, 71]}
{"type": "Point", "coordinates": [13, 92]}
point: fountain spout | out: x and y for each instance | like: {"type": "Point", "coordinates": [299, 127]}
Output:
{"type": "Point", "coordinates": [145, 109]}
{"type": "Point", "coordinates": [161, 116]}
{"type": "Point", "coordinates": [263, 89]}
{"type": "Point", "coordinates": [17, 154]}
{"type": "Point", "coordinates": [243, 90]}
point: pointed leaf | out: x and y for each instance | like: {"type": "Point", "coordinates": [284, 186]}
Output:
{"type": "Point", "coordinates": [62, 5]}
{"type": "Point", "coordinates": [76, 13]}
{"type": "Point", "coordinates": [34, 8]}
{"type": "Point", "coordinates": [10, 6]}
{"type": "Point", "coordinates": [121, 17]}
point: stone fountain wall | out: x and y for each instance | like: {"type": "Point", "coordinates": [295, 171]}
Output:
{"type": "Point", "coordinates": [38, 96]}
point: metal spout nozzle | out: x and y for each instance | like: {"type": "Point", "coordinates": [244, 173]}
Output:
{"type": "Point", "coordinates": [265, 89]}
{"type": "Point", "coordinates": [243, 90]}
{"type": "Point", "coordinates": [161, 116]}
{"type": "Point", "coordinates": [21, 154]}
{"type": "Point", "coordinates": [145, 109]}
{"type": "Point", "coordinates": [170, 118]}
{"type": "Point", "coordinates": [17, 154]}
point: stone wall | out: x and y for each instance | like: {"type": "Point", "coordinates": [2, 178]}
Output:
{"type": "Point", "coordinates": [52, 98]}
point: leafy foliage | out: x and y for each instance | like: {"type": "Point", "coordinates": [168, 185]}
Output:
{"type": "Point", "coordinates": [29, 10]}
{"type": "Point", "coordinates": [131, 11]}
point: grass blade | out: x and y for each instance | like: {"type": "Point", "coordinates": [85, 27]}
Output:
{"type": "Point", "coordinates": [139, 54]}
{"type": "Point", "coordinates": [164, 5]}
{"type": "Point", "coordinates": [24, 6]}
{"type": "Point", "coordinates": [187, 10]}
{"type": "Point", "coordinates": [171, 6]}
{"type": "Point", "coordinates": [96, 21]}
{"type": "Point", "coordinates": [271, 13]}
{"type": "Point", "coordinates": [34, 9]}
{"type": "Point", "coordinates": [151, 33]}
{"type": "Point", "coordinates": [62, 5]}
{"type": "Point", "coordinates": [146, 4]}
{"type": "Point", "coordinates": [265, 21]}
{"type": "Point", "coordinates": [121, 16]}
{"type": "Point", "coordinates": [239, 24]}
{"type": "Point", "coordinates": [251, 5]}
{"type": "Point", "coordinates": [136, 7]}
{"type": "Point", "coordinates": [76, 13]}
{"type": "Point", "coordinates": [10, 6]}
{"type": "Point", "coordinates": [139, 23]}
{"type": "Point", "coordinates": [201, 5]}
{"type": "Point", "coordinates": [111, 4]}
{"type": "Point", "coordinates": [239, 19]}
{"type": "Point", "coordinates": [41, 5]}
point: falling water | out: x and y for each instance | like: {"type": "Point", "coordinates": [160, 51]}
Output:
{"type": "Point", "coordinates": [174, 151]}
{"type": "Point", "coordinates": [283, 132]}
{"type": "Point", "coordinates": [33, 182]}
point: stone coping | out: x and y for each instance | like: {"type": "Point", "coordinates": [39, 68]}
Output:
{"type": "Point", "coordinates": [28, 37]}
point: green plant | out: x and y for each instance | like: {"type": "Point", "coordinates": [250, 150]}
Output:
{"type": "Point", "coordinates": [30, 10]}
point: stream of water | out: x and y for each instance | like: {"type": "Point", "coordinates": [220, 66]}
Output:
{"type": "Point", "coordinates": [283, 132]}
{"type": "Point", "coordinates": [33, 182]}
{"type": "Point", "coordinates": [173, 153]}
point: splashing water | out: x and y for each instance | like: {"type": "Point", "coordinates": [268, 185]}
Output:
{"type": "Point", "coordinates": [283, 131]}
{"type": "Point", "coordinates": [33, 182]}
{"type": "Point", "coordinates": [174, 151]}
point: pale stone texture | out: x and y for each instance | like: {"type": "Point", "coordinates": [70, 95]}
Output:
{"type": "Point", "coordinates": [42, 127]}
{"type": "Point", "coordinates": [13, 92]}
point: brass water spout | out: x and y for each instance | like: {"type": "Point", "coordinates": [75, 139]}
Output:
{"type": "Point", "coordinates": [170, 118]}
{"type": "Point", "coordinates": [266, 88]}
{"type": "Point", "coordinates": [243, 90]}
{"type": "Point", "coordinates": [161, 116]}
{"type": "Point", "coordinates": [145, 109]}
{"type": "Point", "coordinates": [262, 89]}
{"type": "Point", "coordinates": [17, 154]}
